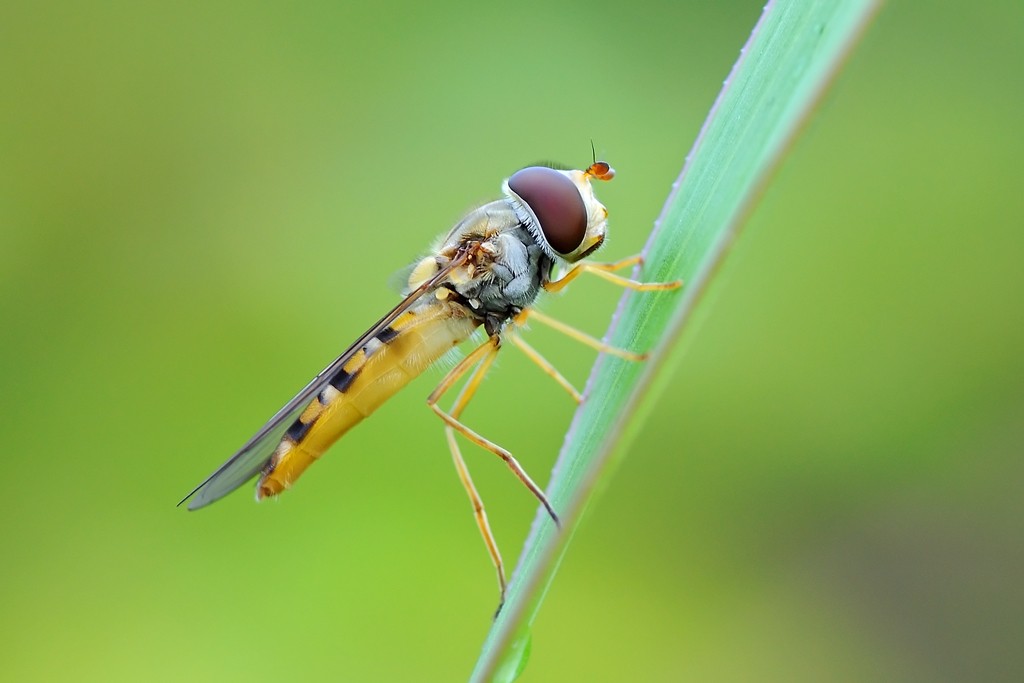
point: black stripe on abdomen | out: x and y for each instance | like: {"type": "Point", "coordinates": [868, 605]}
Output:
{"type": "Point", "coordinates": [341, 379]}
{"type": "Point", "coordinates": [387, 334]}
{"type": "Point", "coordinates": [299, 429]}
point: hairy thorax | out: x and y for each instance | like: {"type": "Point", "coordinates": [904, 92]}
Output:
{"type": "Point", "coordinates": [505, 269]}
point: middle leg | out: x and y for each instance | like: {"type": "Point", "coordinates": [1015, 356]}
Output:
{"type": "Point", "coordinates": [484, 354]}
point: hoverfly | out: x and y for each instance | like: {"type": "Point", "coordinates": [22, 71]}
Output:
{"type": "Point", "coordinates": [486, 272]}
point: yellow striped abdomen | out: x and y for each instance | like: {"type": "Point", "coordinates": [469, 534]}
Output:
{"type": "Point", "coordinates": [387, 363]}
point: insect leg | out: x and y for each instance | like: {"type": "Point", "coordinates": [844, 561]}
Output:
{"type": "Point", "coordinates": [478, 510]}
{"type": "Point", "coordinates": [578, 335]}
{"type": "Point", "coordinates": [484, 354]}
{"type": "Point", "coordinates": [546, 366]}
{"type": "Point", "coordinates": [605, 271]}
{"type": "Point", "coordinates": [466, 479]}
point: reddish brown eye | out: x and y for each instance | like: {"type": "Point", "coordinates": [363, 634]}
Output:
{"type": "Point", "coordinates": [556, 202]}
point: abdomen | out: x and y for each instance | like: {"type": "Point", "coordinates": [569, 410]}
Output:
{"type": "Point", "coordinates": [387, 363]}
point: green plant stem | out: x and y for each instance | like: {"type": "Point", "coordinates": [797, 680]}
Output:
{"type": "Point", "coordinates": [793, 53]}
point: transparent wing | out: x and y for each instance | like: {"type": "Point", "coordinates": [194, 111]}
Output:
{"type": "Point", "coordinates": [257, 451]}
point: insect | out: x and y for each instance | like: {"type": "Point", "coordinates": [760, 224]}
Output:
{"type": "Point", "coordinates": [486, 272]}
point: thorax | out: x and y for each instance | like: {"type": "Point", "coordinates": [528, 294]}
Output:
{"type": "Point", "coordinates": [506, 268]}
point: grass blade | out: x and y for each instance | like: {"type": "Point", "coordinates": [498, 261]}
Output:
{"type": "Point", "coordinates": [790, 58]}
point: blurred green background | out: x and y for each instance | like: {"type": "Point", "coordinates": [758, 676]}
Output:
{"type": "Point", "coordinates": [202, 203]}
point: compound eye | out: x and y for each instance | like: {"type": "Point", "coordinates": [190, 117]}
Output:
{"type": "Point", "coordinates": [556, 202]}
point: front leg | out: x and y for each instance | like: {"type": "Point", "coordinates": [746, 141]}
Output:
{"type": "Point", "coordinates": [605, 271]}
